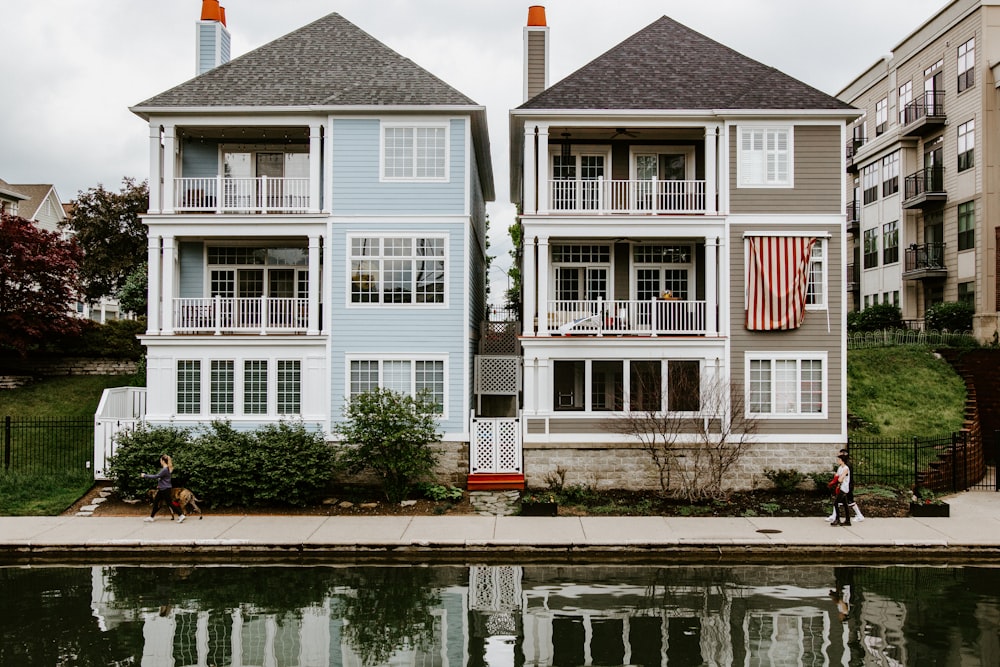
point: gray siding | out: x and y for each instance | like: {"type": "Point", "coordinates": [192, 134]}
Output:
{"type": "Point", "coordinates": [358, 190]}
{"type": "Point", "coordinates": [536, 62]}
{"type": "Point", "coordinates": [192, 270]}
{"type": "Point", "coordinates": [817, 160]}
{"type": "Point", "coordinates": [199, 160]}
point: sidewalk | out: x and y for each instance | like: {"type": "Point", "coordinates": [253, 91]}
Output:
{"type": "Point", "coordinates": [972, 532]}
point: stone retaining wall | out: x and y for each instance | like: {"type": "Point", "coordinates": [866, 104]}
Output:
{"type": "Point", "coordinates": [73, 366]}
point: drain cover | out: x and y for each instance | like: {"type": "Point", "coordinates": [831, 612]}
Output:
{"type": "Point", "coordinates": [768, 530]}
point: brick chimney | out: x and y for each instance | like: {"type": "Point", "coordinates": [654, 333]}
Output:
{"type": "Point", "coordinates": [211, 37]}
{"type": "Point", "coordinates": [536, 52]}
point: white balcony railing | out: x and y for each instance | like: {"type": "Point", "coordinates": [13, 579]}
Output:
{"type": "Point", "coordinates": [647, 197]}
{"type": "Point", "coordinates": [241, 195]}
{"type": "Point", "coordinates": [654, 317]}
{"type": "Point", "coordinates": [220, 315]}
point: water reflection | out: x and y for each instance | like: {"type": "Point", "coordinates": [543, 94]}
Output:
{"type": "Point", "coordinates": [498, 616]}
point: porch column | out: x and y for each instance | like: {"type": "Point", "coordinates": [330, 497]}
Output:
{"type": "Point", "coordinates": [543, 169]}
{"type": "Point", "coordinates": [711, 162]}
{"type": "Point", "coordinates": [711, 286]}
{"type": "Point", "coordinates": [169, 272]}
{"type": "Point", "coordinates": [315, 161]}
{"type": "Point", "coordinates": [155, 175]}
{"type": "Point", "coordinates": [529, 283]}
{"type": "Point", "coordinates": [529, 194]}
{"type": "Point", "coordinates": [153, 293]}
{"type": "Point", "coordinates": [543, 286]}
{"type": "Point", "coordinates": [313, 286]}
{"type": "Point", "coordinates": [169, 167]}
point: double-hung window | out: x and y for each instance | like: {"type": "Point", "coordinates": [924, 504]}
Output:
{"type": "Point", "coordinates": [967, 145]}
{"type": "Point", "coordinates": [905, 97]}
{"type": "Point", "coordinates": [637, 385]}
{"type": "Point", "coordinates": [765, 157]}
{"type": "Point", "coordinates": [881, 116]}
{"type": "Point", "coordinates": [816, 287]}
{"type": "Point", "coordinates": [405, 376]}
{"type": "Point", "coordinates": [398, 269]}
{"type": "Point", "coordinates": [967, 225]}
{"type": "Point", "coordinates": [890, 242]}
{"type": "Point", "coordinates": [188, 386]}
{"type": "Point", "coordinates": [869, 182]}
{"type": "Point", "coordinates": [890, 174]}
{"type": "Point", "coordinates": [786, 384]}
{"type": "Point", "coordinates": [967, 65]}
{"type": "Point", "coordinates": [415, 152]}
{"type": "Point", "coordinates": [871, 248]}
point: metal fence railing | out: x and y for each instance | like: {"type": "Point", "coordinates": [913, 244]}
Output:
{"type": "Point", "coordinates": [943, 463]}
{"type": "Point", "coordinates": [47, 444]}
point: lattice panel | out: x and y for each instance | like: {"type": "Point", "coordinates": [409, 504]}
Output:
{"type": "Point", "coordinates": [481, 454]}
{"type": "Point", "coordinates": [495, 446]}
{"type": "Point", "coordinates": [498, 375]}
{"type": "Point", "coordinates": [508, 445]}
{"type": "Point", "coordinates": [499, 338]}
{"type": "Point", "coordinates": [496, 589]}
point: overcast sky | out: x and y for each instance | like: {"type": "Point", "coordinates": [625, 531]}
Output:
{"type": "Point", "coordinates": [73, 67]}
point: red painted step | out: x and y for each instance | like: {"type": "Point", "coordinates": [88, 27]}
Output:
{"type": "Point", "coordinates": [495, 481]}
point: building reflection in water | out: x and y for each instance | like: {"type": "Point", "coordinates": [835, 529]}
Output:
{"type": "Point", "coordinates": [551, 617]}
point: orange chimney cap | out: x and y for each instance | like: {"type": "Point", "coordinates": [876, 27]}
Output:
{"type": "Point", "coordinates": [210, 10]}
{"type": "Point", "coordinates": [536, 15]}
{"type": "Point", "coordinates": [222, 14]}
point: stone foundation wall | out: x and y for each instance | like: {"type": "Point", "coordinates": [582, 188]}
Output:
{"type": "Point", "coordinates": [74, 366]}
{"type": "Point", "coordinates": [452, 467]}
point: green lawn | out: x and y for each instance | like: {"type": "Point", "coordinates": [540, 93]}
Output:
{"type": "Point", "coordinates": [69, 396]}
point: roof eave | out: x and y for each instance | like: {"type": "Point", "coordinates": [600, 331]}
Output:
{"type": "Point", "coordinates": [685, 113]}
{"type": "Point", "coordinates": [145, 112]}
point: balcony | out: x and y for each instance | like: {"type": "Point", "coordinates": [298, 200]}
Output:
{"type": "Point", "coordinates": [853, 145]}
{"type": "Point", "coordinates": [853, 278]}
{"type": "Point", "coordinates": [628, 197]}
{"type": "Point", "coordinates": [853, 218]}
{"type": "Point", "coordinates": [924, 189]}
{"type": "Point", "coordinates": [227, 315]}
{"type": "Point", "coordinates": [924, 115]}
{"type": "Point", "coordinates": [242, 195]}
{"type": "Point", "coordinates": [630, 317]}
{"type": "Point", "coordinates": [924, 262]}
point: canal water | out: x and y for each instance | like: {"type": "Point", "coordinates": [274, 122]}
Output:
{"type": "Point", "coordinates": [447, 616]}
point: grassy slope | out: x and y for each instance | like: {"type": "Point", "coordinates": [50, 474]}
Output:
{"type": "Point", "coordinates": [904, 391]}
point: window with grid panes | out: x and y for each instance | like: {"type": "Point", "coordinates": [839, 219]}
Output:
{"type": "Point", "coordinates": [289, 389]}
{"type": "Point", "coordinates": [869, 182]}
{"type": "Point", "coordinates": [786, 386]}
{"type": "Point", "coordinates": [967, 145]}
{"type": "Point", "coordinates": [398, 270]}
{"type": "Point", "coordinates": [871, 248]}
{"type": "Point", "coordinates": [414, 153]}
{"type": "Point", "coordinates": [905, 97]}
{"type": "Point", "coordinates": [967, 65]}
{"type": "Point", "coordinates": [222, 387]}
{"type": "Point", "coordinates": [255, 387]}
{"type": "Point", "coordinates": [890, 242]}
{"type": "Point", "coordinates": [890, 174]}
{"type": "Point", "coordinates": [400, 375]}
{"type": "Point", "coordinates": [881, 116]}
{"type": "Point", "coordinates": [188, 387]}
{"type": "Point", "coordinates": [816, 286]}
{"type": "Point", "coordinates": [967, 225]}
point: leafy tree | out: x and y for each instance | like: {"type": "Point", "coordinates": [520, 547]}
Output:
{"type": "Point", "coordinates": [390, 434]}
{"type": "Point", "coordinates": [133, 295]}
{"type": "Point", "coordinates": [113, 238]}
{"type": "Point", "coordinates": [38, 284]}
{"type": "Point", "coordinates": [877, 317]}
{"type": "Point", "coordinates": [951, 316]}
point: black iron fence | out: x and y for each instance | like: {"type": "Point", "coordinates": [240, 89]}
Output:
{"type": "Point", "coordinates": [945, 463]}
{"type": "Point", "coordinates": [47, 444]}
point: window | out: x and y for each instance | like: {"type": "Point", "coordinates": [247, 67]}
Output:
{"type": "Point", "coordinates": [607, 388]}
{"type": "Point", "coordinates": [786, 385]}
{"type": "Point", "coordinates": [289, 387]}
{"type": "Point", "coordinates": [967, 65]}
{"type": "Point", "coordinates": [905, 97]}
{"type": "Point", "coordinates": [869, 182]}
{"type": "Point", "coordinates": [254, 387]}
{"type": "Point", "coordinates": [188, 387]}
{"type": "Point", "coordinates": [645, 388]}
{"type": "Point", "coordinates": [967, 225]}
{"type": "Point", "coordinates": [398, 270]}
{"type": "Point", "coordinates": [871, 248]}
{"type": "Point", "coordinates": [765, 157]}
{"type": "Point", "coordinates": [407, 376]}
{"type": "Point", "coordinates": [967, 145]}
{"type": "Point", "coordinates": [569, 378]}
{"type": "Point", "coordinates": [415, 153]}
{"type": "Point", "coordinates": [967, 293]}
{"type": "Point", "coordinates": [222, 387]}
{"type": "Point", "coordinates": [683, 386]}
{"type": "Point", "coordinates": [890, 174]}
{"type": "Point", "coordinates": [816, 287]}
{"type": "Point", "coordinates": [577, 181]}
{"type": "Point", "coordinates": [604, 382]}
{"type": "Point", "coordinates": [881, 116]}
{"type": "Point", "coordinates": [890, 242]}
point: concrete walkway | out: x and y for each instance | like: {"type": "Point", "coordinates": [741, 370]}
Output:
{"type": "Point", "coordinates": [972, 532]}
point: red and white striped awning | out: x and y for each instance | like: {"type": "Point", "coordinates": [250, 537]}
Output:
{"type": "Point", "coordinates": [777, 277]}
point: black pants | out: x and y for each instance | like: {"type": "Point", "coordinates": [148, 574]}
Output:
{"type": "Point", "coordinates": [845, 500]}
{"type": "Point", "coordinates": [162, 497]}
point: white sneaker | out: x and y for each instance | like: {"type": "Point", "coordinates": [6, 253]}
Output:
{"type": "Point", "coordinates": [149, 519]}
{"type": "Point", "coordinates": [181, 519]}
{"type": "Point", "coordinates": [859, 518]}
{"type": "Point", "coordinates": [831, 518]}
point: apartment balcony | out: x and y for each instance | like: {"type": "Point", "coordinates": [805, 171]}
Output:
{"type": "Point", "coordinates": [853, 278]}
{"type": "Point", "coordinates": [853, 145]}
{"type": "Point", "coordinates": [853, 218]}
{"type": "Point", "coordinates": [227, 315]}
{"type": "Point", "coordinates": [924, 115]}
{"type": "Point", "coordinates": [924, 189]}
{"type": "Point", "coordinates": [627, 197]}
{"type": "Point", "coordinates": [242, 195]}
{"type": "Point", "coordinates": [924, 262]}
{"type": "Point", "coordinates": [627, 317]}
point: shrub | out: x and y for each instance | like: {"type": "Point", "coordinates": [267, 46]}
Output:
{"type": "Point", "coordinates": [821, 479]}
{"type": "Point", "coordinates": [389, 434]}
{"type": "Point", "coordinates": [877, 317]}
{"type": "Point", "coordinates": [115, 339]}
{"type": "Point", "coordinates": [953, 316]}
{"type": "Point", "coordinates": [785, 480]}
{"type": "Point", "coordinates": [439, 492]}
{"type": "Point", "coordinates": [139, 451]}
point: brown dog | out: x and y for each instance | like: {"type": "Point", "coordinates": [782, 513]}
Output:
{"type": "Point", "coordinates": [181, 499]}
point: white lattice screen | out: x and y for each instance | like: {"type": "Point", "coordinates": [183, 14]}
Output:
{"type": "Point", "coordinates": [495, 446]}
{"type": "Point", "coordinates": [498, 375]}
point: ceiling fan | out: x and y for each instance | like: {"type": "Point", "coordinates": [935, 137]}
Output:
{"type": "Point", "coordinates": [623, 131]}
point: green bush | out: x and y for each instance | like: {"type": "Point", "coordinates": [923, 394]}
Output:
{"type": "Point", "coordinates": [139, 451]}
{"type": "Point", "coordinates": [877, 317]}
{"type": "Point", "coordinates": [952, 316]}
{"type": "Point", "coordinates": [821, 479]}
{"type": "Point", "coordinates": [115, 340]}
{"type": "Point", "coordinates": [785, 480]}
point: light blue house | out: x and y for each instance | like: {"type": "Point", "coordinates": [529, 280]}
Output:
{"type": "Point", "coordinates": [317, 228]}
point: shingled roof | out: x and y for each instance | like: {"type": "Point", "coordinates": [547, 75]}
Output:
{"type": "Point", "coordinates": [667, 65]}
{"type": "Point", "coordinates": [330, 62]}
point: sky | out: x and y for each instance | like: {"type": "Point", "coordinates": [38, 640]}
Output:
{"type": "Point", "coordinates": [73, 67]}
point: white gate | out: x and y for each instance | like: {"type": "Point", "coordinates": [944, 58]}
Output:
{"type": "Point", "coordinates": [495, 445]}
{"type": "Point", "coordinates": [120, 409]}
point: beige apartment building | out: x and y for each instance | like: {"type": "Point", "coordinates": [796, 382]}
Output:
{"type": "Point", "coordinates": [922, 165]}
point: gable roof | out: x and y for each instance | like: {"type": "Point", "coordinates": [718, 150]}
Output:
{"type": "Point", "coordinates": [667, 65]}
{"type": "Point", "coordinates": [36, 196]}
{"type": "Point", "coordinates": [11, 192]}
{"type": "Point", "coordinates": [330, 62]}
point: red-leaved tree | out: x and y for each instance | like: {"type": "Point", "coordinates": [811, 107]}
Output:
{"type": "Point", "coordinates": [38, 284]}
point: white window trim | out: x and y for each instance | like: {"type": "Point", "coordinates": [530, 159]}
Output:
{"type": "Point", "coordinates": [578, 151]}
{"type": "Point", "coordinates": [383, 125]}
{"type": "Point", "coordinates": [686, 151]}
{"type": "Point", "coordinates": [350, 358]}
{"type": "Point", "coordinates": [787, 356]}
{"type": "Point", "coordinates": [825, 302]}
{"type": "Point", "coordinates": [400, 306]}
{"type": "Point", "coordinates": [626, 362]}
{"type": "Point", "coordinates": [239, 377]}
{"type": "Point", "coordinates": [790, 129]}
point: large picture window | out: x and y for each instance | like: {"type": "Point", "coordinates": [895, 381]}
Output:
{"type": "Point", "coordinates": [240, 387]}
{"type": "Point", "coordinates": [786, 385]}
{"type": "Point", "coordinates": [765, 157]}
{"type": "Point", "coordinates": [398, 270]}
{"type": "Point", "coordinates": [869, 182]}
{"type": "Point", "coordinates": [871, 248]}
{"type": "Point", "coordinates": [406, 376]}
{"type": "Point", "coordinates": [415, 153]}
{"type": "Point", "coordinates": [890, 174]}
{"type": "Point", "coordinates": [613, 385]}
{"type": "Point", "coordinates": [890, 242]}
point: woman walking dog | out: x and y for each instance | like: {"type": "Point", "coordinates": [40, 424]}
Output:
{"type": "Point", "coordinates": [163, 487]}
